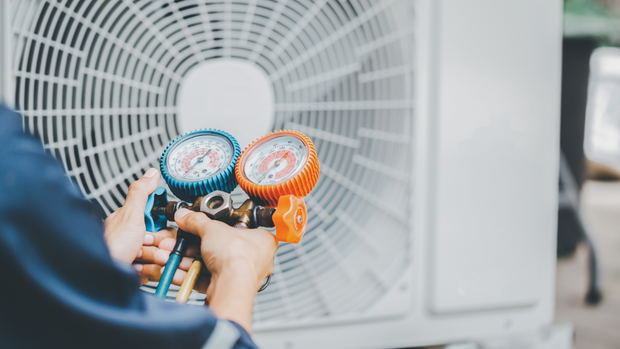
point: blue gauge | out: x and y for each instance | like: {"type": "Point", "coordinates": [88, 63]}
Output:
{"type": "Point", "coordinates": [200, 162]}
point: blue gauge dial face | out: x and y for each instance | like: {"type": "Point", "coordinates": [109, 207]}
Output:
{"type": "Point", "coordinates": [198, 157]}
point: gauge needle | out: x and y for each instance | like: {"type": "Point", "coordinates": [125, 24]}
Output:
{"type": "Point", "coordinates": [275, 164]}
{"type": "Point", "coordinates": [198, 161]}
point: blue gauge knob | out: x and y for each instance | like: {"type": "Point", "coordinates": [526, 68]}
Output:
{"type": "Point", "coordinates": [200, 162]}
{"type": "Point", "coordinates": [153, 221]}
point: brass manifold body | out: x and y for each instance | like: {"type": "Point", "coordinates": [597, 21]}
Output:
{"type": "Point", "coordinates": [289, 219]}
{"type": "Point", "coordinates": [218, 205]}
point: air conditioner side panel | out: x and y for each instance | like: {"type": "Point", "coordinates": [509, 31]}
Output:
{"type": "Point", "coordinates": [533, 110]}
{"type": "Point", "coordinates": [6, 77]}
{"type": "Point", "coordinates": [497, 151]}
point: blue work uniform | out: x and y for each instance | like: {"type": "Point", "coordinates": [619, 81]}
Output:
{"type": "Point", "coordinates": [60, 287]}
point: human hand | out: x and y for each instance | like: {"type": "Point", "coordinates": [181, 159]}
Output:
{"type": "Point", "coordinates": [222, 247]}
{"type": "Point", "coordinates": [161, 258]}
{"type": "Point", "coordinates": [144, 264]}
{"type": "Point", "coordinates": [125, 231]}
{"type": "Point", "coordinates": [226, 249]}
{"type": "Point", "coordinates": [238, 260]}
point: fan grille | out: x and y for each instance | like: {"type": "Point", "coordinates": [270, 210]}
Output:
{"type": "Point", "coordinates": [98, 82]}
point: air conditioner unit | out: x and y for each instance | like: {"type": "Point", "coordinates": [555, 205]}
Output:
{"type": "Point", "coordinates": [436, 123]}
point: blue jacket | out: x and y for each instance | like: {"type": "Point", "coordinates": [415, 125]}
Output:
{"type": "Point", "coordinates": [59, 286]}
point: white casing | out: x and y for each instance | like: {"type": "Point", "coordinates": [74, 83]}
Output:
{"type": "Point", "coordinates": [483, 205]}
{"type": "Point", "coordinates": [6, 78]}
{"type": "Point", "coordinates": [487, 157]}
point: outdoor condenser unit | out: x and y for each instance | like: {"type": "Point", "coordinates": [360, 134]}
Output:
{"type": "Point", "coordinates": [436, 123]}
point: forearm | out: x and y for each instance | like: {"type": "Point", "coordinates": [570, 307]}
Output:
{"type": "Point", "coordinates": [232, 295]}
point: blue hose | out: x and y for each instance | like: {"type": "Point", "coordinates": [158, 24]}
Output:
{"type": "Point", "coordinates": [166, 277]}
{"type": "Point", "coordinates": [183, 239]}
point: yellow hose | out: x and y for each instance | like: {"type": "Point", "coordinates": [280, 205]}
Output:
{"type": "Point", "coordinates": [190, 281]}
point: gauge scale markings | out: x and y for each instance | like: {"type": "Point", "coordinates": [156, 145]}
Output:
{"type": "Point", "coordinates": [276, 160]}
{"type": "Point", "coordinates": [199, 157]}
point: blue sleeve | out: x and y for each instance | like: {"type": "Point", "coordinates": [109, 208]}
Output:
{"type": "Point", "coordinates": [60, 288]}
{"type": "Point", "coordinates": [244, 341]}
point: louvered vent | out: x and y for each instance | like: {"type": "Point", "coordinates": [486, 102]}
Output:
{"type": "Point", "coordinates": [98, 82]}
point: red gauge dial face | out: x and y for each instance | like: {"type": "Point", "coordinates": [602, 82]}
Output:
{"type": "Point", "coordinates": [275, 160]}
{"type": "Point", "coordinates": [281, 164]}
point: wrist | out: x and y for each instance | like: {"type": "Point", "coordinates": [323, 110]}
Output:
{"type": "Point", "coordinates": [231, 293]}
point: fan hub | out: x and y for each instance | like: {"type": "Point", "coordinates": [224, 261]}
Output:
{"type": "Point", "coordinates": [231, 95]}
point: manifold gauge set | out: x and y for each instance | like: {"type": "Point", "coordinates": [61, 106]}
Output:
{"type": "Point", "coordinates": [203, 167]}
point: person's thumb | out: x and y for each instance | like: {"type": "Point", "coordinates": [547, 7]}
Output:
{"type": "Point", "coordinates": [140, 190]}
{"type": "Point", "coordinates": [192, 222]}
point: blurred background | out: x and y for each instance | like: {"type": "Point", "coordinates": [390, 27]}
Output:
{"type": "Point", "coordinates": [106, 85]}
{"type": "Point", "coordinates": [589, 141]}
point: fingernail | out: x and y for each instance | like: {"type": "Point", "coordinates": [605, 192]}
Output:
{"type": "Point", "coordinates": [150, 173]}
{"type": "Point", "coordinates": [137, 267]}
{"type": "Point", "coordinates": [140, 253]}
{"type": "Point", "coordinates": [181, 213]}
{"type": "Point", "coordinates": [148, 239]}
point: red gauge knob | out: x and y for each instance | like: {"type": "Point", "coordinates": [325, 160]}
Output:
{"type": "Point", "coordinates": [290, 219]}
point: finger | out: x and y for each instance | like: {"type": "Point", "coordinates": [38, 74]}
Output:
{"type": "Point", "coordinates": [167, 233]}
{"type": "Point", "coordinates": [202, 282]}
{"type": "Point", "coordinates": [147, 270]}
{"type": "Point", "coordinates": [150, 271]}
{"type": "Point", "coordinates": [147, 254]}
{"type": "Point", "coordinates": [267, 239]}
{"type": "Point", "coordinates": [168, 245]}
{"type": "Point", "coordinates": [161, 258]}
{"type": "Point", "coordinates": [143, 280]}
{"type": "Point", "coordinates": [154, 239]}
{"type": "Point", "coordinates": [140, 190]}
{"type": "Point", "coordinates": [186, 263]}
{"type": "Point", "coordinates": [196, 223]}
{"type": "Point", "coordinates": [179, 276]}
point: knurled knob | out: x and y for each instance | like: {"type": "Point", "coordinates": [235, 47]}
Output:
{"type": "Point", "coordinates": [290, 219]}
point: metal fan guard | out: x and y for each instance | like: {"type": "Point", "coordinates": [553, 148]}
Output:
{"type": "Point", "coordinates": [98, 82]}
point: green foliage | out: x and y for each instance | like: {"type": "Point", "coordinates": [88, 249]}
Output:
{"type": "Point", "coordinates": [586, 8]}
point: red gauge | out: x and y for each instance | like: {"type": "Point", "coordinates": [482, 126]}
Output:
{"type": "Point", "coordinates": [281, 163]}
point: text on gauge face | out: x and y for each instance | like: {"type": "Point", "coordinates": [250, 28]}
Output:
{"type": "Point", "coordinates": [276, 160]}
{"type": "Point", "coordinates": [199, 157]}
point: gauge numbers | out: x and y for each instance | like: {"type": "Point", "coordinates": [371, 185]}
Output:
{"type": "Point", "coordinates": [199, 157]}
{"type": "Point", "coordinates": [275, 160]}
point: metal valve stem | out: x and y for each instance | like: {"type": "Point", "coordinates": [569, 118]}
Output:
{"type": "Point", "coordinates": [218, 205]}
